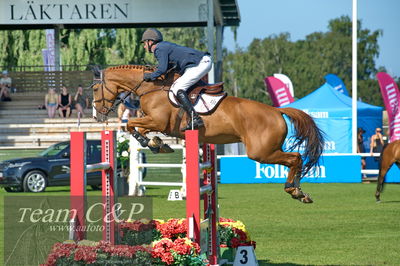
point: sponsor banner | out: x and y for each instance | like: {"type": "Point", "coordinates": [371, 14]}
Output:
{"type": "Point", "coordinates": [51, 51]}
{"type": "Point", "coordinates": [279, 92]}
{"type": "Point", "coordinates": [336, 83]}
{"type": "Point", "coordinates": [393, 175]}
{"type": "Point", "coordinates": [391, 98]}
{"type": "Point", "coordinates": [285, 79]}
{"type": "Point", "coordinates": [332, 169]}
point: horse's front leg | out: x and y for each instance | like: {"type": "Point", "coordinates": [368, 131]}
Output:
{"type": "Point", "coordinates": [145, 125]}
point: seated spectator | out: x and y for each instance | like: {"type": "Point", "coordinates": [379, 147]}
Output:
{"type": "Point", "coordinates": [50, 102]}
{"type": "Point", "coordinates": [5, 86]}
{"type": "Point", "coordinates": [81, 101]}
{"type": "Point", "coordinates": [64, 103]}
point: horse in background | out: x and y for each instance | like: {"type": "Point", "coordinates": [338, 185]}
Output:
{"type": "Point", "coordinates": [390, 155]}
{"type": "Point", "coordinates": [260, 127]}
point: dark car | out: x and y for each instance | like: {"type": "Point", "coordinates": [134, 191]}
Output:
{"type": "Point", "coordinates": [50, 168]}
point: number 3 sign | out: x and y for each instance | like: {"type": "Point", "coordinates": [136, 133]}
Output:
{"type": "Point", "coordinates": [245, 256]}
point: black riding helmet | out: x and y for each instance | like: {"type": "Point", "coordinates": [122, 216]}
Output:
{"type": "Point", "coordinates": [152, 34]}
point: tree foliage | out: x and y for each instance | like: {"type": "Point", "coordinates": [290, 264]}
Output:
{"type": "Point", "coordinates": [90, 46]}
{"type": "Point", "coordinates": [306, 62]}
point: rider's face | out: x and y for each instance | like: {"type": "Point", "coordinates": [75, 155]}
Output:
{"type": "Point", "coordinates": [147, 45]}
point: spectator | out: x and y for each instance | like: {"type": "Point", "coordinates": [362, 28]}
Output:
{"type": "Point", "coordinates": [50, 102]}
{"type": "Point", "coordinates": [81, 101]}
{"type": "Point", "coordinates": [377, 142]}
{"type": "Point", "coordinates": [360, 145]}
{"type": "Point", "coordinates": [133, 103]}
{"type": "Point", "coordinates": [129, 108]}
{"type": "Point", "coordinates": [64, 103]}
{"type": "Point", "coordinates": [5, 86]}
{"type": "Point", "coordinates": [123, 116]}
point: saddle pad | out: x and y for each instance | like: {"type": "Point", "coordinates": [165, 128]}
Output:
{"type": "Point", "coordinates": [205, 103]}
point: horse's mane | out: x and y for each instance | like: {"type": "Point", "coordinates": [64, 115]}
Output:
{"type": "Point", "coordinates": [139, 67]}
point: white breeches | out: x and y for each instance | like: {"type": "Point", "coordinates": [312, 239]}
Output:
{"type": "Point", "coordinates": [192, 75]}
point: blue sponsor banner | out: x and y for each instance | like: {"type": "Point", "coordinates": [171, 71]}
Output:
{"type": "Point", "coordinates": [393, 175]}
{"type": "Point", "coordinates": [332, 169]}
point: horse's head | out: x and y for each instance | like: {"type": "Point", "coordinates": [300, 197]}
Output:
{"type": "Point", "coordinates": [103, 96]}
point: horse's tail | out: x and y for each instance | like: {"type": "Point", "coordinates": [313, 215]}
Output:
{"type": "Point", "coordinates": [307, 134]}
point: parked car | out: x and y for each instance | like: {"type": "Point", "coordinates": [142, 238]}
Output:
{"type": "Point", "coordinates": [50, 168]}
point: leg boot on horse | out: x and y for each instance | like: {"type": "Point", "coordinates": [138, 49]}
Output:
{"type": "Point", "coordinates": [156, 145]}
{"type": "Point", "coordinates": [192, 114]}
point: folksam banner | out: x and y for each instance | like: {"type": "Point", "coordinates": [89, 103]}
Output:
{"type": "Point", "coordinates": [391, 98]}
{"type": "Point", "coordinates": [331, 169]}
{"type": "Point", "coordinates": [279, 92]}
{"type": "Point", "coordinates": [336, 83]}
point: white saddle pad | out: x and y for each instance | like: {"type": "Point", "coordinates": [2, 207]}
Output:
{"type": "Point", "coordinates": [204, 104]}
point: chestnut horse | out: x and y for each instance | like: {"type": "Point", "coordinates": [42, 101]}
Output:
{"type": "Point", "coordinates": [390, 155]}
{"type": "Point", "coordinates": [260, 127]}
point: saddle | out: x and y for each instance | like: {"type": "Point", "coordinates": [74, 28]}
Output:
{"type": "Point", "coordinates": [200, 87]}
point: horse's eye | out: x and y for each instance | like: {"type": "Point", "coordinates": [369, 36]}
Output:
{"type": "Point", "coordinates": [95, 89]}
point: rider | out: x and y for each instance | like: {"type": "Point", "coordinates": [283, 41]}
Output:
{"type": "Point", "coordinates": [191, 64]}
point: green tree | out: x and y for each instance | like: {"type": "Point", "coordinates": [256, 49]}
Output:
{"type": "Point", "coordinates": [306, 62]}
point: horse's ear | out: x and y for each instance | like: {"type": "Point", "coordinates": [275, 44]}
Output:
{"type": "Point", "coordinates": [96, 71]}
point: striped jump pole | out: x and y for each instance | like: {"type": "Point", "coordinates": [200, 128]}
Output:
{"type": "Point", "coordinates": [78, 170]}
{"type": "Point", "coordinates": [196, 190]}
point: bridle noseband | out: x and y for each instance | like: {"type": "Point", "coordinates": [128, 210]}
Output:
{"type": "Point", "coordinates": [106, 110]}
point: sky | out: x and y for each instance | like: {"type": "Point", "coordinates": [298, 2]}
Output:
{"type": "Point", "coordinates": [262, 18]}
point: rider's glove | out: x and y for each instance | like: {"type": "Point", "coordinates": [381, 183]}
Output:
{"type": "Point", "coordinates": [147, 76]}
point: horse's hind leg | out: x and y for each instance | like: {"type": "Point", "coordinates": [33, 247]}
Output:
{"type": "Point", "coordinates": [383, 169]}
{"type": "Point", "coordinates": [292, 185]}
{"type": "Point", "coordinates": [294, 162]}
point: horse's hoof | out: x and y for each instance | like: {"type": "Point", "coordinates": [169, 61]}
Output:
{"type": "Point", "coordinates": [165, 148]}
{"type": "Point", "coordinates": [306, 199]}
{"type": "Point", "coordinates": [155, 142]}
{"type": "Point", "coordinates": [154, 150]}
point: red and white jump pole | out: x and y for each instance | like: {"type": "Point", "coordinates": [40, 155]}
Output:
{"type": "Point", "coordinates": [195, 190]}
{"type": "Point", "coordinates": [78, 170]}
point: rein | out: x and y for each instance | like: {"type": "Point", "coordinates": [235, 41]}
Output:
{"type": "Point", "coordinates": [106, 110]}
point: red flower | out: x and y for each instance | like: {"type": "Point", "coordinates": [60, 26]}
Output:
{"type": "Point", "coordinates": [173, 228]}
{"type": "Point", "coordinates": [242, 235]}
{"type": "Point", "coordinates": [221, 220]}
{"type": "Point", "coordinates": [162, 250]}
{"type": "Point", "coordinates": [86, 254]}
{"type": "Point", "coordinates": [137, 225]}
{"type": "Point", "coordinates": [59, 250]}
{"type": "Point", "coordinates": [235, 242]}
{"type": "Point", "coordinates": [181, 247]}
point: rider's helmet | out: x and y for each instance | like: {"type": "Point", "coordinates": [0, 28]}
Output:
{"type": "Point", "coordinates": [152, 34]}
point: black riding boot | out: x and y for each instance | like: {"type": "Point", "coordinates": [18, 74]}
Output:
{"type": "Point", "coordinates": [188, 107]}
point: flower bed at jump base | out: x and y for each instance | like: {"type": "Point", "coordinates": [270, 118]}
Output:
{"type": "Point", "coordinates": [145, 242]}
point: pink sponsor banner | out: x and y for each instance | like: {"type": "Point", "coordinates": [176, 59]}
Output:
{"type": "Point", "coordinates": [279, 92]}
{"type": "Point", "coordinates": [391, 98]}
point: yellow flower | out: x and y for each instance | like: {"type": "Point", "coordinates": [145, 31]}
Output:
{"type": "Point", "coordinates": [144, 221]}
